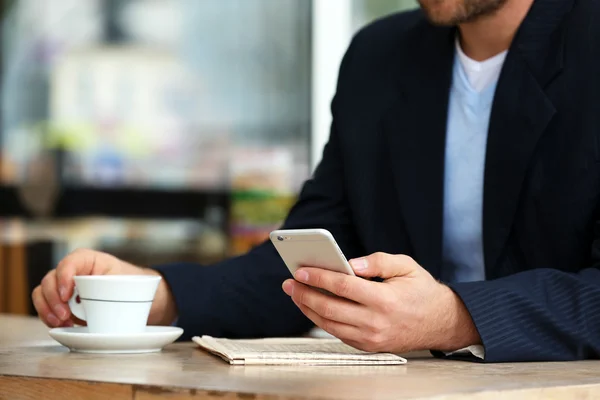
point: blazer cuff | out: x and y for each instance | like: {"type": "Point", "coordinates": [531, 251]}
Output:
{"type": "Point", "coordinates": [483, 306]}
{"type": "Point", "coordinates": [190, 286]}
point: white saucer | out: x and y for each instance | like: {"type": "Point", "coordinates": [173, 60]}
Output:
{"type": "Point", "coordinates": [78, 339]}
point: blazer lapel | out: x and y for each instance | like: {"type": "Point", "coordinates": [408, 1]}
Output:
{"type": "Point", "coordinates": [415, 129]}
{"type": "Point", "coordinates": [520, 113]}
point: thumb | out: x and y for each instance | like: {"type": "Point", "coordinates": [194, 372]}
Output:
{"type": "Point", "coordinates": [384, 265]}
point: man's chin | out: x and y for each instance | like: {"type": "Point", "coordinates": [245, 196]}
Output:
{"type": "Point", "coordinates": [452, 13]}
{"type": "Point", "coordinates": [441, 20]}
{"type": "Point", "coordinates": [437, 15]}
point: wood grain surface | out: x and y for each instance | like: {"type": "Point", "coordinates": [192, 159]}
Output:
{"type": "Point", "coordinates": [3, 292]}
{"type": "Point", "coordinates": [34, 367]}
{"type": "Point", "coordinates": [14, 287]}
{"type": "Point", "coordinates": [16, 284]}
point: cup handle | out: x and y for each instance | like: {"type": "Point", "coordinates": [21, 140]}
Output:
{"type": "Point", "coordinates": [76, 308]}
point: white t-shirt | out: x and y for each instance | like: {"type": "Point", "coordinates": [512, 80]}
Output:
{"type": "Point", "coordinates": [478, 76]}
{"type": "Point", "coordinates": [481, 73]}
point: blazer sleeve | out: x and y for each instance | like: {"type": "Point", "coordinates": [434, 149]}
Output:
{"type": "Point", "coordinates": [538, 315]}
{"type": "Point", "coordinates": [242, 296]}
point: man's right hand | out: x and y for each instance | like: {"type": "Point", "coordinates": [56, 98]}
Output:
{"type": "Point", "coordinates": [51, 297]}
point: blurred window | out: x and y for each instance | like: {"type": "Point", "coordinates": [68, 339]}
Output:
{"type": "Point", "coordinates": [106, 102]}
{"type": "Point", "coordinates": [116, 85]}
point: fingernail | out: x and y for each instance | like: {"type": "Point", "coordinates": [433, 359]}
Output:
{"type": "Point", "coordinates": [301, 276]}
{"type": "Point", "coordinates": [360, 264]}
{"type": "Point", "coordinates": [288, 287]}
{"type": "Point", "coordinates": [52, 320]}
{"type": "Point", "coordinates": [62, 292]}
{"type": "Point", "coordinates": [61, 311]}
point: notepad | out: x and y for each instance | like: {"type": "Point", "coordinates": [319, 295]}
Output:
{"type": "Point", "coordinates": [292, 351]}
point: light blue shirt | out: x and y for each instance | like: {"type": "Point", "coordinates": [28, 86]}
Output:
{"type": "Point", "coordinates": [466, 138]}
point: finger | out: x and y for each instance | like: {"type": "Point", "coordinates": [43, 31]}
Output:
{"type": "Point", "coordinates": [76, 321]}
{"type": "Point", "coordinates": [339, 330]}
{"type": "Point", "coordinates": [52, 298]}
{"type": "Point", "coordinates": [43, 309]}
{"type": "Point", "coordinates": [79, 262]}
{"type": "Point", "coordinates": [384, 265]}
{"type": "Point", "coordinates": [67, 324]}
{"type": "Point", "coordinates": [350, 287]}
{"type": "Point", "coordinates": [329, 307]}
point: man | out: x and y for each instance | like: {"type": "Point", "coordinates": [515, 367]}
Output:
{"type": "Point", "coordinates": [463, 169]}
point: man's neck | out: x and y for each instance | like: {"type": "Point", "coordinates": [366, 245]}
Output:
{"type": "Point", "coordinates": [493, 34]}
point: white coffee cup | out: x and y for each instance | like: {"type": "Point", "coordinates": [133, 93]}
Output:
{"type": "Point", "coordinates": [114, 303]}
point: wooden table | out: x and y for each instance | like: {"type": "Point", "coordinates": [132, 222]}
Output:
{"type": "Point", "coordinates": [33, 366]}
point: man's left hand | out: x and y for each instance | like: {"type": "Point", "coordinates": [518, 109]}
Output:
{"type": "Point", "coordinates": [409, 310]}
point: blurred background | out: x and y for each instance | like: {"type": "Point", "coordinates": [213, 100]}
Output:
{"type": "Point", "coordinates": [160, 130]}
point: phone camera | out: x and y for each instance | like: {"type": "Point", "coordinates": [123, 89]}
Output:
{"type": "Point", "coordinates": [280, 238]}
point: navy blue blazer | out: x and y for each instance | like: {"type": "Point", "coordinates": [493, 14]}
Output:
{"type": "Point", "coordinates": [379, 187]}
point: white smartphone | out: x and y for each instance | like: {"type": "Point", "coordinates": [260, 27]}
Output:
{"type": "Point", "coordinates": [310, 248]}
